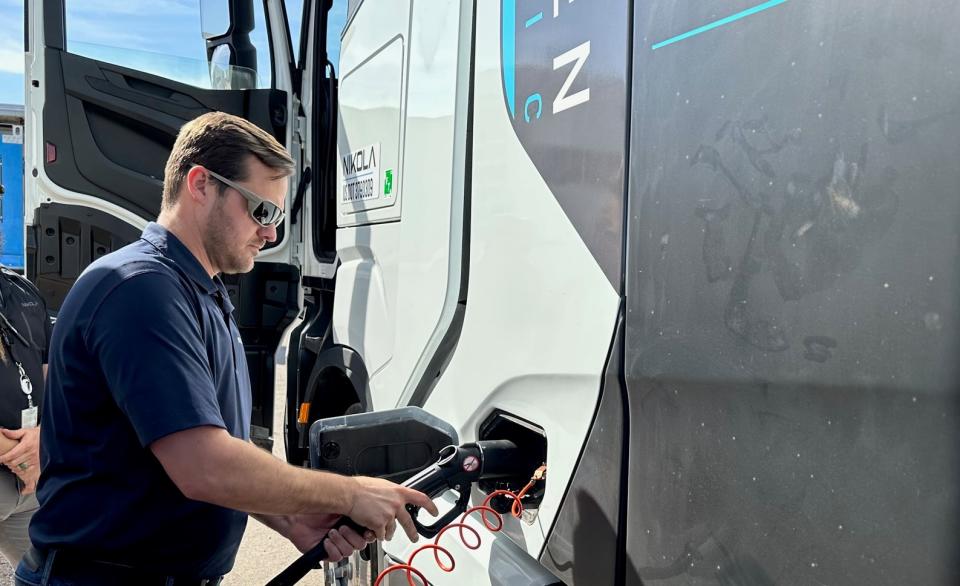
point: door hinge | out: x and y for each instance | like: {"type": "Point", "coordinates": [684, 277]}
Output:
{"type": "Point", "coordinates": [301, 131]}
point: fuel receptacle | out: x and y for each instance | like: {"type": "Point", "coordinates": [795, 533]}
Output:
{"type": "Point", "coordinates": [528, 455]}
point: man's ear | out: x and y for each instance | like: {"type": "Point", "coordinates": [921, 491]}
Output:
{"type": "Point", "coordinates": [198, 184]}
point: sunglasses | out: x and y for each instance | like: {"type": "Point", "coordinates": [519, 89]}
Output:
{"type": "Point", "coordinates": [263, 212]}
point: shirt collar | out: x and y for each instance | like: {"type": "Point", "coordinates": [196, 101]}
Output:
{"type": "Point", "coordinates": [224, 298]}
{"type": "Point", "coordinates": [170, 246]}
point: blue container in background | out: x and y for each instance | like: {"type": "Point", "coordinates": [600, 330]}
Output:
{"type": "Point", "coordinates": [11, 177]}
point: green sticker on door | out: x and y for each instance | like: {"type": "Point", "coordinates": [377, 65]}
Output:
{"type": "Point", "coordinates": [388, 181]}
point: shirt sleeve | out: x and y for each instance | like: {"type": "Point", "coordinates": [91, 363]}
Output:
{"type": "Point", "coordinates": [148, 340]}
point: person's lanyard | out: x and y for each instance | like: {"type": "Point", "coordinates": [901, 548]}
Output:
{"type": "Point", "coordinates": [6, 328]}
{"type": "Point", "coordinates": [25, 385]}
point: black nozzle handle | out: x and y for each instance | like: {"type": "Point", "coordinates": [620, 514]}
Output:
{"type": "Point", "coordinates": [430, 531]}
{"type": "Point", "coordinates": [311, 559]}
{"type": "Point", "coordinates": [457, 468]}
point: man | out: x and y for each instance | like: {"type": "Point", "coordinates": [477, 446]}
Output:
{"type": "Point", "coordinates": [24, 337]}
{"type": "Point", "coordinates": [148, 472]}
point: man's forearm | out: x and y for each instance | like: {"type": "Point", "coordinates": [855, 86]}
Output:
{"type": "Point", "coordinates": [279, 523]}
{"type": "Point", "coordinates": [209, 465]}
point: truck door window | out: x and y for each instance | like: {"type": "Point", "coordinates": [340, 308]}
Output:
{"type": "Point", "coordinates": [294, 10]}
{"type": "Point", "coordinates": [167, 38]}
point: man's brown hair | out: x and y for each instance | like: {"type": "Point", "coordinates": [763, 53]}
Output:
{"type": "Point", "coordinates": [220, 142]}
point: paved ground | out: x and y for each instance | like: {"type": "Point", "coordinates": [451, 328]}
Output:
{"type": "Point", "coordinates": [263, 553]}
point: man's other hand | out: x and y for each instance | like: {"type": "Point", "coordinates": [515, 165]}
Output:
{"type": "Point", "coordinates": [305, 531]}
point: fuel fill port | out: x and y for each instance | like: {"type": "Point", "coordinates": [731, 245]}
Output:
{"type": "Point", "coordinates": [531, 448]}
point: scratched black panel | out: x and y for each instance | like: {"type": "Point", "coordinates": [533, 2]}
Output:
{"type": "Point", "coordinates": [793, 286]}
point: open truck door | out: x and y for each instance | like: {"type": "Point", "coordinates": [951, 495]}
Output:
{"type": "Point", "coordinates": [102, 121]}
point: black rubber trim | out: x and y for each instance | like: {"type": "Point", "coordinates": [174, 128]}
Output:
{"type": "Point", "coordinates": [324, 141]}
{"type": "Point", "coordinates": [613, 382]}
{"type": "Point", "coordinates": [331, 402]}
{"type": "Point", "coordinates": [54, 33]}
{"type": "Point", "coordinates": [306, 341]}
{"type": "Point", "coordinates": [305, 178]}
{"type": "Point", "coordinates": [620, 571]}
{"type": "Point", "coordinates": [350, 363]}
{"type": "Point", "coordinates": [620, 574]}
{"type": "Point", "coordinates": [26, 27]}
{"type": "Point", "coordinates": [451, 337]}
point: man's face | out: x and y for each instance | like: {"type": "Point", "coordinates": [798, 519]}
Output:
{"type": "Point", "coordinates": [233, 239]}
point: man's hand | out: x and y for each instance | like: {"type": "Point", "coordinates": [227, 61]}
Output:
{"type": "Point", "coordinates": [305, 531]}
{"type": "Point", "coordinates": [378, 504]}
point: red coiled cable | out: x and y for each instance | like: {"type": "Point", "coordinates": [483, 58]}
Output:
{"type": "Point", "coordinates": [516, 509]}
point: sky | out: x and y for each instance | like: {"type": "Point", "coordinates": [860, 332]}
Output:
{"type": "Point", "coordinates": [11, 52]}
{"type": "Point", "coordinates": [170, 38]}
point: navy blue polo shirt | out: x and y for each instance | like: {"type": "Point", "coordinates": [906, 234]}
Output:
{"type": "Point", "coordinates": [145, 345]}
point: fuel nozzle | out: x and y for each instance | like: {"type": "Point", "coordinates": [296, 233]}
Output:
{"type": "Point", "coordinates": [503, 459]}
{"type": "Point", "coordinates": [458, 467]}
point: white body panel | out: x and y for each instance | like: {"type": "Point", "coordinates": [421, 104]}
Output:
{"type": "Point", "coordinates": [372, 86]}
{"type": "Point", "coordinates": [395, 315]}
{"type": "Point", "coordinates": [367, 279]}
{"type": "Point", "coordinates": [540, 313]}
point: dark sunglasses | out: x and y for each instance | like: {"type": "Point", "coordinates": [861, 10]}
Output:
{"type": "Point", "coordinates": [263, 212]}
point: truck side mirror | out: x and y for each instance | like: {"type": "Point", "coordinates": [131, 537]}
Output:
{"type": "Point", "coordinates": [231, 56]}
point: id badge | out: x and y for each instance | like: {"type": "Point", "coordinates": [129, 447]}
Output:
{"type": "Point", "coordinates": [28, 418]}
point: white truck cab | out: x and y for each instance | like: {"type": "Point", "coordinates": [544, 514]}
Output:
{"type": "Point", "coordinates": [701, 257]}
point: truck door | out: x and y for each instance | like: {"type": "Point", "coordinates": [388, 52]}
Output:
{"type": "Point", "coordinates": [106, 95]}
{"type": "Point", "coordinates": [400, 85]}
